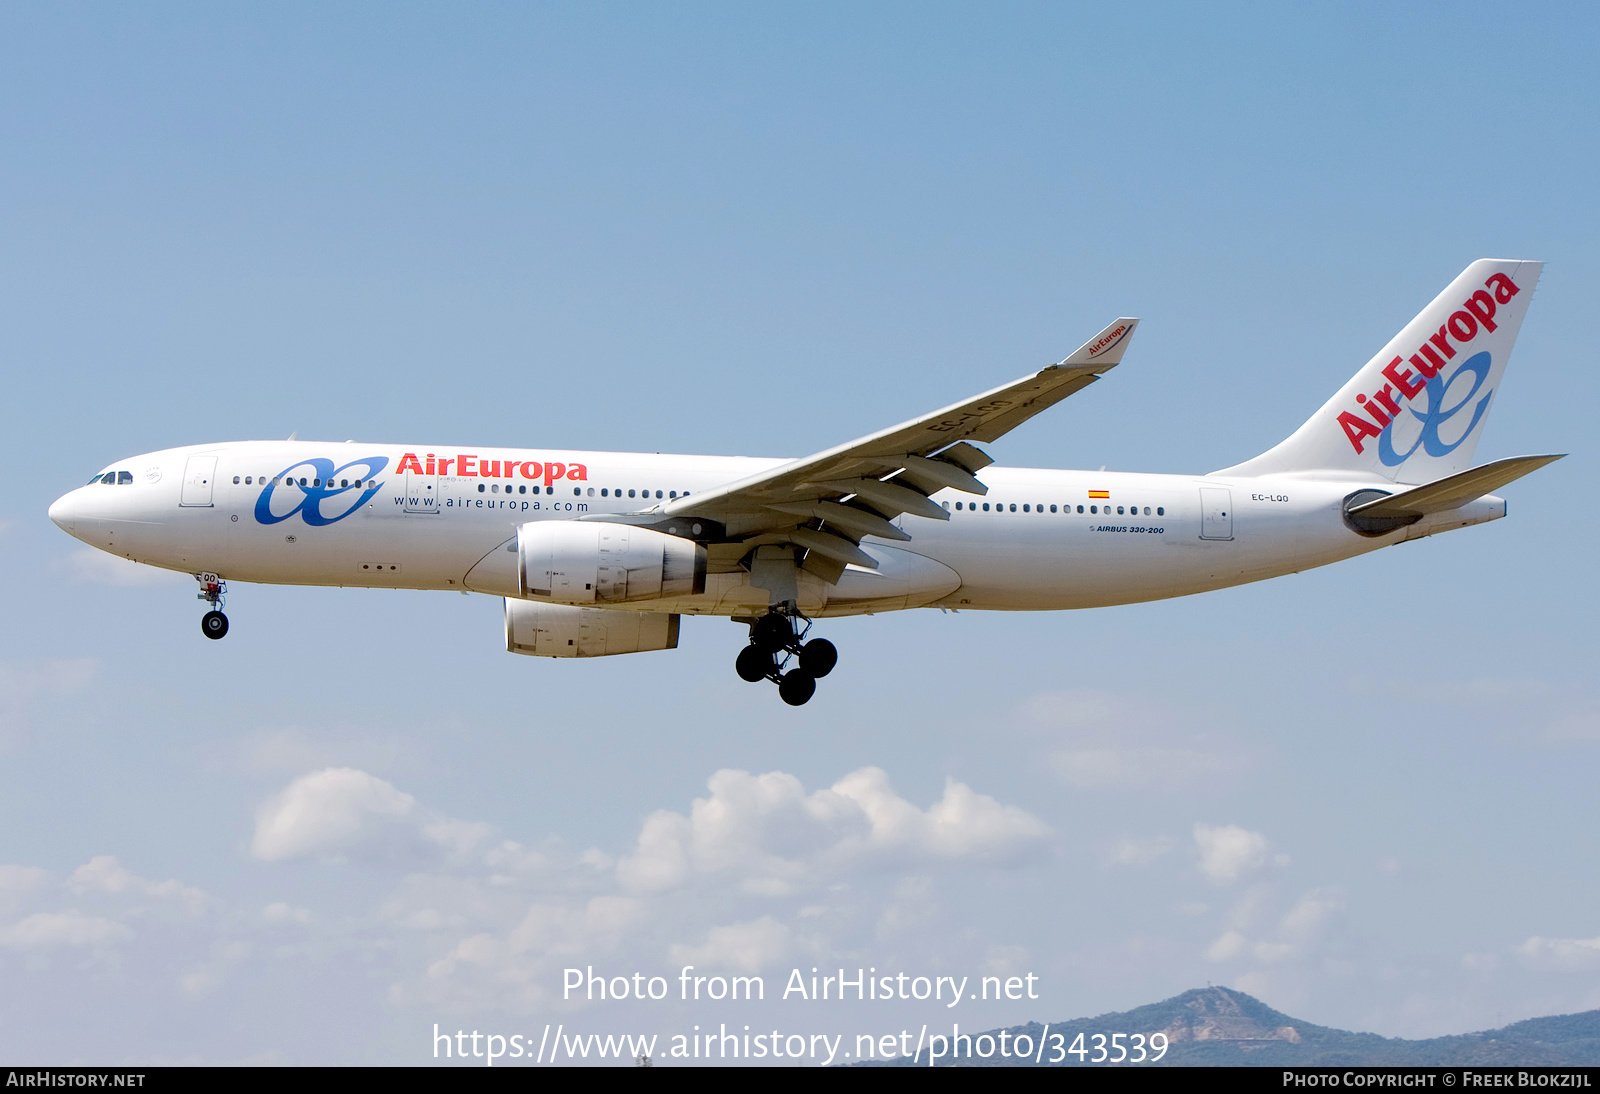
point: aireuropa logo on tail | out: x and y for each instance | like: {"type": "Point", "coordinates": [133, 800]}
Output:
{"type": "Point", "coordinates": [1109, 339]}
{"type": "Point", "coordinates": [1375, 415]}
{"type": "Point", "coordinates": [322, 496]}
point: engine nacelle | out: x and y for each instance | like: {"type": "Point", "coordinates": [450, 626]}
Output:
{"type": "Point", "coordinates": [595, 562]}
{"type": "Point", "coordinates": [558, 630]}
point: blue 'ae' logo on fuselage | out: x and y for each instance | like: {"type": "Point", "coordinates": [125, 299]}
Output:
{"type": "Point", "coordinates": [314, 491]}
{"type": "Point", "coordinates": [1437, 414]}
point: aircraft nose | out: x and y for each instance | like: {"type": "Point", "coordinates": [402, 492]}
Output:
{"type": "Point", "coordinates": [64, 513]}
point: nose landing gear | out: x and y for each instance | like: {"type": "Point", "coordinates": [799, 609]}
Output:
{"type": "Point", "coordinates": [775, 646]}
{"type": "Point", "coordinates": [213, 590]}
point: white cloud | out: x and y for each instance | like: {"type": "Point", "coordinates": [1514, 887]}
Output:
{"type": "Point", "coordinates": [340, 812]}
{"type": "Point", "coordinates": [1230, 945]}
{"type": "Point", "coordinates": [104, 874]}
{"type": "Point", "coordinates": [1312, 914]}
{"type": "Point", "coordinates": [1297, 933]}
{"type": "Point", "coordinates": [1107, 740]}
{"type": "Point", "coordinates": [773, 834]}
{"type": "Point", "coordinates": [96, 567]}
{"type": "Point", "coordinates": [1132, 851]}
{"type": "Point", "coordinates": [209, 976]}
{"type": "Point", "coordinates": [1561, 953]}
{"type": "Point", "coordinates": [1228, 852]}
{"type": "Point", "coordinates": [17, 882]}
{"type": "Point", "coordinates": [279, 913]}
{"type": "Point", "coordinates": [48, 930]}
{"type": "Point", "coordinates": [746, 947]}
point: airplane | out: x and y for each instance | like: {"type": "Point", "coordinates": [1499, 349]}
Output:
{"type": "Point", "coordinates": [601, 553]}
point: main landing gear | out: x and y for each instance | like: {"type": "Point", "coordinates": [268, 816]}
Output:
{"type": "Point", "coordinates": [212, 590]}
{"type": "Point", "coordinates": [774, 647]}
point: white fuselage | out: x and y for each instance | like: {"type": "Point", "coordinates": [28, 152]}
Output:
{"type": "Point", "coordinates": [1040, 539]}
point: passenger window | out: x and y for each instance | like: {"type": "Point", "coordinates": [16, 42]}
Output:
{"type": "Point", "coordinates": [1052, 508]}
{"type": "Point", "coordinates": [481, 488]}
{"type": "Point", "coordinates": [1013, 507]}
{"type": "Point", "coordinates": [1094, 509]}
{"type": "Point", "coordinates": [1147, 510]}
{"type": "Point", "coordinates": [1080, 508]}
{"type": "Point", "coordinates": [603, 492]}
{"type": "Point", "coordinates": [577, 491]}
{"type": "Point", "coordinates": [958, 507]}
{"type": "Point", "coordinates": [985, 507]}
{"type": "Point", "coordinates": [658, 493]}
{"type": "Point", "coordinates": [630, 493]}
{"type": "Point", "coordinates": [535, 489]}
{"type": "Point", "coordinates": [1160, 512]}
{"type": "Point", "coordinates": [522, 489]}
{"type": "Point", "coordinates": [236, 480]}
{"type": "Point", "coordinates": [591, 491]}
{"type": "Point", "coordinates": [1025, 509]}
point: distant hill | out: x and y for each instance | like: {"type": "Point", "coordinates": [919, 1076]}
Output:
{"type": "Point", "coordinates": [1211, 1027]}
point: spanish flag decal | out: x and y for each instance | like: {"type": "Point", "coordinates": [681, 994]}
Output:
{"type": "Point", "coordinates": [1099, 493]}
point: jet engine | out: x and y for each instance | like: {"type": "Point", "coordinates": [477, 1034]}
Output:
{"type": "Point", "coordinates": [559, 630]}
{"type": "Point", "coordinates": [596, 562]}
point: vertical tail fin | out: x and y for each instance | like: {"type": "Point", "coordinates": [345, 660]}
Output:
{"type": "Point", "coordinates": [1414, 412]}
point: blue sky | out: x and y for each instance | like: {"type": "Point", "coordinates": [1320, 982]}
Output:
{"type": "Point", "coordinates": [1364, 793]}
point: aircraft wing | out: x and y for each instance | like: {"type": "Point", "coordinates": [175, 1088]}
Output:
{"type": "Point", "coordinates": [827, 502]}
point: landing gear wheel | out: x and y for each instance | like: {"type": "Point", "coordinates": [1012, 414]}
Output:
{"type": "Point", "coordinates": [772, 632]}
{"type": "Point", "coordinates": [213, 624]}
{"type": "Point", "coordinates": [818, 657]}
{"type": "Point", "coordinates": [797, 687]}
{"type": "Point", "coordinates": [754, 664]}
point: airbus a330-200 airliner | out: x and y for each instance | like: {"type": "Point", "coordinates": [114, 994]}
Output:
{"type": "Point", "coordinates": [600, 553]}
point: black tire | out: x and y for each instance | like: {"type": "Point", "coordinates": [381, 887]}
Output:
{"type": "Point", "coordinates": [797, 687]}
{"type": "Point", "coordinates": [772, 632]}
{"type": "Point", "coordinates": [213, 624]}
{"type": "Point", "coordinates": [818, 657]}
{"type": "Point", "coordinates": [754, 664]}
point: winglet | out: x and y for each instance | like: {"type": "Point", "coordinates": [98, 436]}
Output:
{"type": "Point", "coordinates": [1106, 348]}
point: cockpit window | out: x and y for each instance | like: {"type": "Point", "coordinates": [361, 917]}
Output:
{"type": "Point", "coordinates": [109, 478]}
{"type": "Point", "coordinates": [124, 478]}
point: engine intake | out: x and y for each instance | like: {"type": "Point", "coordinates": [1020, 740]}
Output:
{"type": "Point", "coordinates": [557, 630]}
{"type": "Point", "coordinates": [596, 562]}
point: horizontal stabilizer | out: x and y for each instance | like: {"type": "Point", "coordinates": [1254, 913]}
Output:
{"type": "Point", "coordinates": [1453, 491]}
